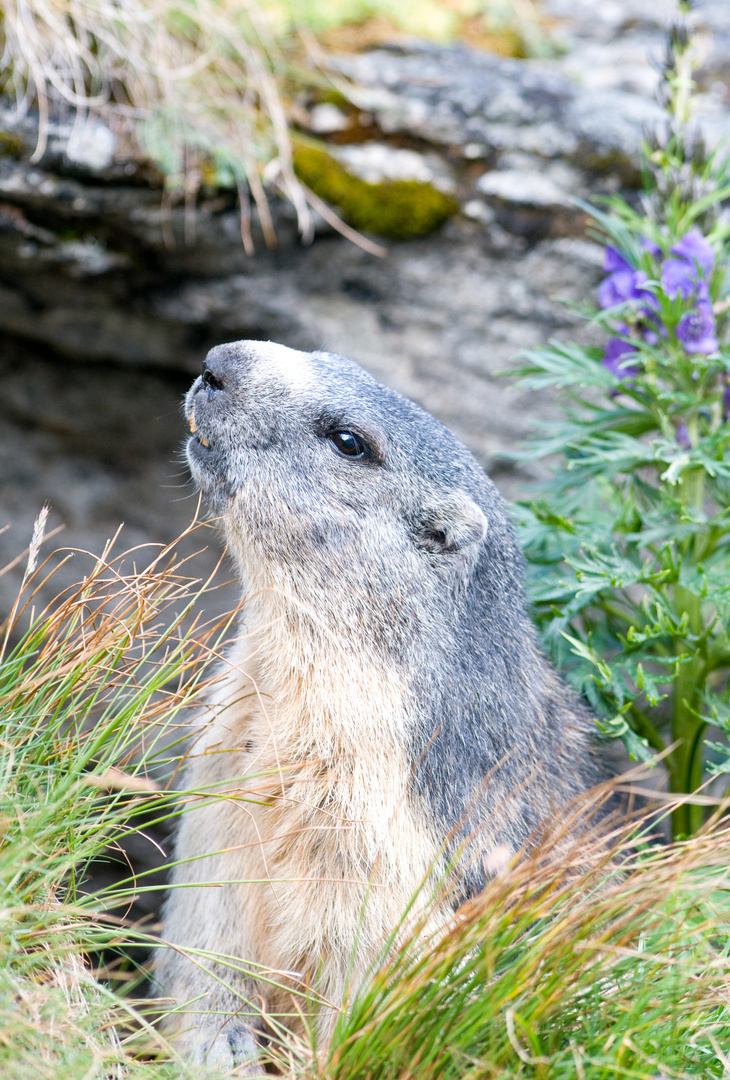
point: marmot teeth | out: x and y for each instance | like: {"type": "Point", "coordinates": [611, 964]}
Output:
{"type": "Point", "coordinates": [194, 427]}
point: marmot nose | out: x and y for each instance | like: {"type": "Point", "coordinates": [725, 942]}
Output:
{"type": "Point", "coordinates": [212, 379]}
{"type": "Point", "coordinates": [225, 367]}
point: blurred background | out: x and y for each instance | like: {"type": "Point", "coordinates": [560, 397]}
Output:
{"type": "Point", "coordinates": [395, 181]}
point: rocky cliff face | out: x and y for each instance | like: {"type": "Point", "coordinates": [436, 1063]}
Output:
{"type": "Point", "coordinates": [109, 299]}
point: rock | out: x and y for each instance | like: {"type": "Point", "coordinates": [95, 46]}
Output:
{"type": "Point", "coordinates": [532, 197]}
{"type": "Point", "coordinates": [375, 162]}
{"type": "Point", "coordinates": [102, 445]}
{"type": "Point", "coordinates": [457, 97]}
{"type": "Point", "coordinates": [326, 118]}
{"type": "Point", "coordinates": [91, 144]}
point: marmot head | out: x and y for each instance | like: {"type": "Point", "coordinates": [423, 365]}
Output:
{"type": "Point", "coordinates": [328, 482]}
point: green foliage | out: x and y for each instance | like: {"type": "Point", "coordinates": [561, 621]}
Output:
{"type": "Point", "coordinates": [629, 544]}
{"type": "Point", "coordinates": [398, 209]}
{"type": "Point", "coordinates": [512, 26]}
{"type": "Point", "coordinates": [426, 18]}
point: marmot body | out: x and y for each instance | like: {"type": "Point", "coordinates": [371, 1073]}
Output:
{"type": "Point", "coordinates": [385, 701]}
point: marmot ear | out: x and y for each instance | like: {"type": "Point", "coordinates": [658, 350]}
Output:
{"type": "Point", "coordinates": [454, 524]}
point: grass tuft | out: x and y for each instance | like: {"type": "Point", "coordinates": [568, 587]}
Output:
{"type": "Point", "coordinates": [578, 961]}
{"type": "Point", "coordinates": [96, 694]}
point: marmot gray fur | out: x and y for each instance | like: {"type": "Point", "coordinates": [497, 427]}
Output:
{"type": "Point", "coordinates": [384, 703]}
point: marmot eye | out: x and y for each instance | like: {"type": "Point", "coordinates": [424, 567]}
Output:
{"type": "Point", "coordinates": [347, 444]}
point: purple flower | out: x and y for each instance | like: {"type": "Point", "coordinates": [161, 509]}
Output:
{"type": "Point", "coordinates": [683, 437]}
{"type": "Point", "coordinates": [726, 398]}
{"type": "Point", "coordinates": [678, 277]}
{"type": "Point", "coordinates": [684, 276]}
{"type": "Point", "coordinates": [696, 328]}
{"type": "Point", "coordinates": [695, 250]}
{"type": "Point", "coordinates": [616, 288]}
{"type": "Point", "coordinates": [695, 259]}
{"type": "Point", "coordinates": [623, 285]}
{"type": "Point", "coordinates": [614, 359]}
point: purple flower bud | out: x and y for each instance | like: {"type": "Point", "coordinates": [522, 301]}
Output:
{"type": "Point", "coordinates": [613, 260]}
{"type": "Point", "coordinates": [695, 250]}
{"type": "Point", "coordinates": [726, 399]}
{"type": "Point", "coordinates": [696, 329]}
{"type": "Point", "coordinates": [683, 437]}
{"type": "Point", "coordinates": [614, 359]}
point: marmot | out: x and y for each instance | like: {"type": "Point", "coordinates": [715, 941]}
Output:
{"type": "Point", "coordinates": [384, 704]}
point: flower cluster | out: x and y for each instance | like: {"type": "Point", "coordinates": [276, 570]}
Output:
{"type": "Point", "coordinates": [684, 274]}
{"type": "Point", "coordinates": [628, 545]}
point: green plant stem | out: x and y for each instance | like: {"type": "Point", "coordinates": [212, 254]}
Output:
{"type": "Point", "coordinates": [682, 85]}
{"type": "Point", "coordinates": [685, 767]}
{"type": "Point", "coordinates": [614, 609]}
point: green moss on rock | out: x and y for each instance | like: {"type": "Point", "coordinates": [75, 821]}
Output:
{"type": "Point", "coordinates": [11, 144]}
{"type": "Point", "coordinates": [398, 209]}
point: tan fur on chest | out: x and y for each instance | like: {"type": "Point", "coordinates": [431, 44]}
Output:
{"type": "Point", "coordinates": [301, 788]}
